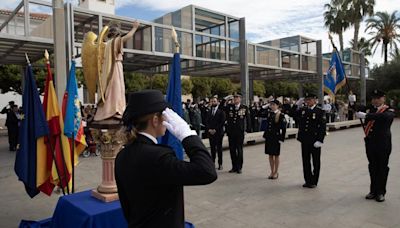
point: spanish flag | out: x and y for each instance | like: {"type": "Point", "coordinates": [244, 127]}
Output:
{"type": "Point", "coordinates": [33, 129]}
{"type": "Point", "coordinates": [54, 163]}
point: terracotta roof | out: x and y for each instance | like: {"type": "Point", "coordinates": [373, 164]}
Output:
{"type": "Point", "coordinates": [34, 16]}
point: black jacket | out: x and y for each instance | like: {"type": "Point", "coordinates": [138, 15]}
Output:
{"type": "Point", "coordinates": [380, 132]}
{"type": "Point", "coordinates": [12, 120]}
{"type": "Point", "coordinates": [150, 180]}
{"type": "Point", "coordinates": [275, 131]}
{"type": "Point", "coordinates": [216, 122]}
{"type": "Point", "coordinates": [312, 124]}
{"type": "Point", "coordinates": [238, 121]}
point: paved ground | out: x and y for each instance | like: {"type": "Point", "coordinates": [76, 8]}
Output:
{"type": "Point", "coordinates": [249, 199]}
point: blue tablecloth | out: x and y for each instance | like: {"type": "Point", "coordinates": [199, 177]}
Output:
{"type": "Point", "coordinates": [82, 210]}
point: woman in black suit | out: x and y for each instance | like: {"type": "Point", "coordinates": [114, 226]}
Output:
{"type": "Point", "coordinates": [149, 176]}
{"type": "Point", "coordinates": [274, 134]}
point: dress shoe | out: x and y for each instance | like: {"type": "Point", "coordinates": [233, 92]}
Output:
{"type": "Point", "coordinates": [370, 196]}
{"type": "Point", "coordinates": [220, 167]}
{"type": "Point", "coordinates": [239, 171]}
{"type": "Point", "coordinates": [309, 185]}
{"type": "Point", "coordinates": [380, 198]}
{"type": "Point", "coordinates": [232, 171]}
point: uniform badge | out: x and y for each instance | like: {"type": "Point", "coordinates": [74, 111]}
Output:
{"type": "Point", "coordinates": [313, 116]}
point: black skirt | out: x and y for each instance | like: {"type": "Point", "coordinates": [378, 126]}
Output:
{"type": "Point", "coordinates": [272, 147]}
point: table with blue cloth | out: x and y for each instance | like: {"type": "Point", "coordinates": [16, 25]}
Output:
{"type": "Point", "coordinates": [82, 210]}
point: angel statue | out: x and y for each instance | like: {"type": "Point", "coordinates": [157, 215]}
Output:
{"type": "Point", "coordinates": [102, 68]}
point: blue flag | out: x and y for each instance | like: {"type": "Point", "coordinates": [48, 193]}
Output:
{"type": "Point", "coordinates": [335, 78]}
{"type": "Point", "coordinates": [174, 97]}
{"type": "Point", "coordinates": [71, 106]}
{"type": "Point", "coordinates": [33, 126]}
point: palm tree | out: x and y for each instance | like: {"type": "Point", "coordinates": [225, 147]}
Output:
{"type": "Point", "coordinates": [384, 27]}
{"type": "Point", "coordinates": [356, 11]}
{"type": "Point", "coordinates": [364, 46]}
{"type": "Point", "coordinates": [395, 55]}
{"type": "Point", "coordinates": [335, 19]}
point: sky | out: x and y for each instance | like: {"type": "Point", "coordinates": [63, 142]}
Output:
{"type": "Point", "coordinates": [265, 19]}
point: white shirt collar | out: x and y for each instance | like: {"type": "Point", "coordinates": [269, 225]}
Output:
{"type": "Point", "coordinates": [312, 107]}
{"type": "Point", "coordinates": [237, 106]}
{"type": "Point", "coordinates": [276, 111]}
{"type": "Point", "coordinates": [149, 136]}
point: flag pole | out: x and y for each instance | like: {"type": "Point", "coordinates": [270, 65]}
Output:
{"type": "Point", "coordinates": [345, 75]}
{"type": "Point", "coordinates": [73, 163]}
{"type": "Point", "coordinates": [73, 152]}
{"type": "Point", "coordinates": [46, 55]}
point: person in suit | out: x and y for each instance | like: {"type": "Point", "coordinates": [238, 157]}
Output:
{"type": "Point", "coordinates": [274, 134]}
{"type": "Point", "coordinates": [312, 130]}
{"type": "Point", "coordinates": [215, 130]}
{"type": "Point", "coordinates": [149, 176]}
{"type": "Point", "coordinates": [378, 143]}
{"type": "Point", "coordinates": [238, 121]}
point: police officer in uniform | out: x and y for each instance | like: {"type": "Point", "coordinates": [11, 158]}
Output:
{"type": "Point", "coordinates": [149, 176]}
{"type": "Point", "coordinates": [238, 121]}
{"type": "Point", "coordinates": [312, 129]}
{"type": "Point", "coordinates": [378, 143]}
{"type": "Point", "coordinates": [274, 134]}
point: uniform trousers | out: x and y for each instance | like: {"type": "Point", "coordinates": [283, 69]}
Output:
{"type": "Point", "coordinates": [378, 159]}
{"type": "Point", "coordinates": [236, 150]}
{"type": "Point", "coordinates": [309, 152]}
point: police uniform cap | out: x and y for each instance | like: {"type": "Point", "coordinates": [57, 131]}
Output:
{"type": "Point", "coordinates": [377, 93]}
{"type": "Point", "coordinates": [310, 95]}
{"type": "Point", "coordinates": [142, 103]}
{"type": "Point", "coordinates": [275, 101]}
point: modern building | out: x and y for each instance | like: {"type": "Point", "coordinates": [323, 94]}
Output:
{"type": "Point", "coordinates": [212, 44]}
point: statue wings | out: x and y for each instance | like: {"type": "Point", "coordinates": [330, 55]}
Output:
{"type": "Point", "coordinates": [92, 60]}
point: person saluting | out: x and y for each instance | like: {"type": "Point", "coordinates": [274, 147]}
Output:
{"type": "Point", "coordinates": [149, 176]}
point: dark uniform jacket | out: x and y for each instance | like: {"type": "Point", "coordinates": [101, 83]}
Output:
{"type": "Point", "coordinates": [312, 124]}
{"type": "Point", "coordinates": [380, 131]}
{"type": "Point", "coordinates": [12, 120]}
{"type": "Point", "coordinates": [150, 180]}
{"type": "Point", "coordinates": [275, 131]}
{"type": "Point", "coordinates": [238, 121]}
{"type": "Point", "coordinates": [216, 121]}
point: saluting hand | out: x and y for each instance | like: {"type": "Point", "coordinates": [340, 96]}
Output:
{"type": "Point", "coordinates": [361, 115]}
{"type": "Point", "coordinates": [176, 125]}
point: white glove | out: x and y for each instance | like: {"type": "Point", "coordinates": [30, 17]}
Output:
{"type": "Point", "coordinates": [361, 115]}
{"type": "Point", "coordinates": [318, 144]}
{"type": "Point", "coordinates": [300, 101]}
{"type": "Point", "coordinates": [176, 125]}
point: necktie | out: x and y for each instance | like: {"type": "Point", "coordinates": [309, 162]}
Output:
{"type": "Point", "coordinates": [213, 111]}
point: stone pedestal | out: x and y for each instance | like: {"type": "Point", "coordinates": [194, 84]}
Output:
{"type": "Point", "coordinates": [105, 134]}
